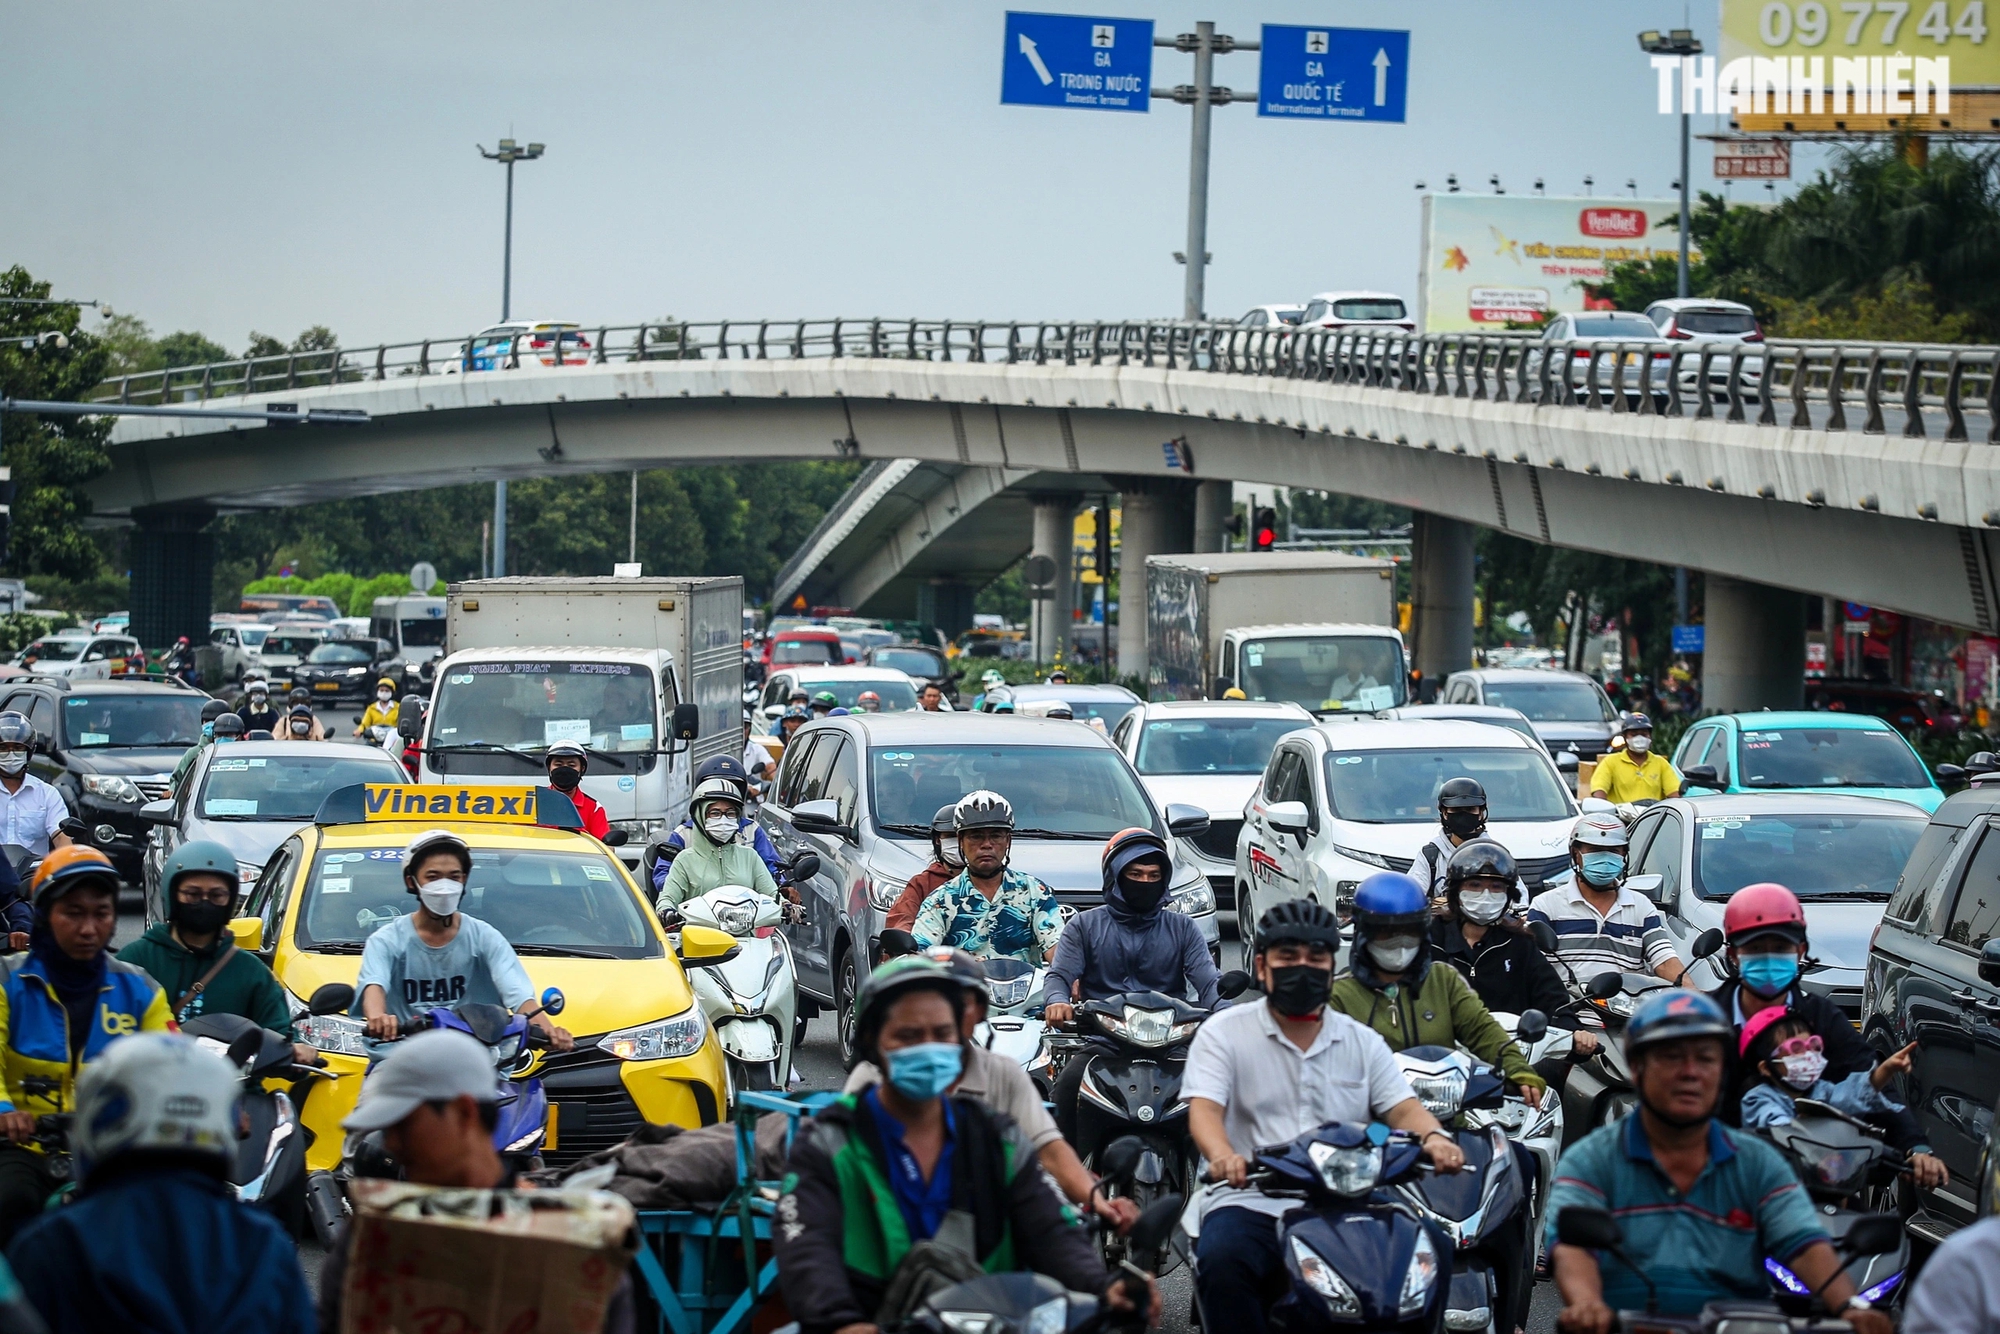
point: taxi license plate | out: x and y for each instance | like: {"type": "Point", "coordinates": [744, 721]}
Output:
{"type": "Point", "coordinates": [326, 685]}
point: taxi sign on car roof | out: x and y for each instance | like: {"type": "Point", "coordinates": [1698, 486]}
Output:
{"type": "Point", "coordinates": [508, 804]}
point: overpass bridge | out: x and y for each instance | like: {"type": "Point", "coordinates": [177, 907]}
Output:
{"type": "Point", "coordinates": [1854, 470]}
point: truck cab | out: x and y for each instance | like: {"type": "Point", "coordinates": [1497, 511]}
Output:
{"type": "Point", "coordinates": [1328, 669]}
{"type": "Point", "coordinates": [415, 625]}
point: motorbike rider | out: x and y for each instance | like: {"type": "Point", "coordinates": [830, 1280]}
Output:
{"type": "Point", "coordinates": [1701, 1205]}
{"type": "Point", "coordinates": [868, 702]}
{"type": "Point", "coordinates": [211, 710]}
{"type": "Point", "coordinates": [1261, 1074]}
{"type": "Point", "coordinates": [946, 862]}
{"type": "Point", "coordinates": [1131, 942]}
{"type": "Point", "coordinates": [567, 763]}
{"type": "Point", "coordinates": [823, 703]}
{"type": "Point", "coordinates": [296, 698]}
{"type": "Point", "coordinates": [756, 759]}
{"type": "Point", "coordinates": [155, 1238]}
{"type": "Point", "coordinates": [1003, 1085]}
{"type": "Point", "coordinates": [437, 955]}
{"type": "Point", "coordinates": [1764, 926]}
{"type": "Point", "coordinates": [719, 852]}
{"type": "Point", "coordinates": [31, 812]}
{"type": "Point", "coordinates": [989, 909]}
{"type": "Point", "coordinates": [788, 726]}
{"type": "Point", "coordinates": [879, 1173]}
{"type": "Point", "coordinates": [1461, 805]}
{"type": "Point", "coordinates": [256, 711]}
{"type": "Point", "coordinates": [62, 1002]}
{"type": "Point", "coordinates": [300, 724]}
{"type": "Point", "coordinates": [1484, 941]}
{"type": "Point", "coordinates": [227, 728]}
{"type": "Point", "coordinates": [1600, 925]}
{"type": "Point", "coordinates": [931, 698]}
{"type": "Point", "coordinates": [724, 768]}
{"type": "Point", "coordinates": [381, 711]}
{"type": "Point", "coordinates": [195, 959]}
{"type": "Point", "coordinates": [1634, 773]}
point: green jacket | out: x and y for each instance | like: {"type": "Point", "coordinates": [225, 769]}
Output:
{"type": "Point", "coordinates": [1444, 1011]}
{"type": "Point", "coordinates": [244, 986]}
{"type": "Point", "coordinates": [702, 866]}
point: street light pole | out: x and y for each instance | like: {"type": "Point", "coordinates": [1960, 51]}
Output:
{"type": "Point", "coordinates": [508, 153]}
{"type": "Point", "coordinates": [1683, 43]}
{"type": "Point", "coordinates": [1205, 44]}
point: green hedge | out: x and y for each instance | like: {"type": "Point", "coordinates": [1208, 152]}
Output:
{"type": "Point", "coordinates": [355, 595]}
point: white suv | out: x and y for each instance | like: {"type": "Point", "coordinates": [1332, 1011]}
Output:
{"type": "Point", "coordinates": [1341, 801]}
{"type": "Point", "coordinates": [1357, 309]}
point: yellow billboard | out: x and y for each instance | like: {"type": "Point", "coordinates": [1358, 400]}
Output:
{"type": "Point", "coordinates": [1850, 30]}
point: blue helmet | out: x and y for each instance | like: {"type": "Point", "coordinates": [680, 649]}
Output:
{"type": "Point", "coordinates": [1671, 1014]}
{"type": "Point", "coordinates": [1389, 899]}
{"type": "Point", "coordinates": [721, 766]}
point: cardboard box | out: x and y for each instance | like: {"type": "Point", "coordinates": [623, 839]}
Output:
{"type": "Point", "coordinates": [429, 1258]}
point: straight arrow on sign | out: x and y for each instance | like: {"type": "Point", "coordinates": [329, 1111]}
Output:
{"type": "Point", "coordinates": [1381, 63]}
{"type": "Point", "coordinates": [1042, 71]}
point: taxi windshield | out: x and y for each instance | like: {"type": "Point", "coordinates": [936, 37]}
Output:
{"type": "Point", "coordinates": [572, 901]}
{"type": "Point", "coordinates": [487, 708]}
{"type": "Point", "coordinates": [287, 787]}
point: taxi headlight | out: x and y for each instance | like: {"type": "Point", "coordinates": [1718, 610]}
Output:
{"type": "Point", "coordinates": [334, 1032]}
{"type": "Point", "coordinates": [681, 1035]}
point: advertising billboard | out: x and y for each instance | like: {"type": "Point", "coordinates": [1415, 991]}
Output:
{"type": "Point", "coordinates": [1949, 29]}
{"type": "Point", "coordinates": [1491, 260]}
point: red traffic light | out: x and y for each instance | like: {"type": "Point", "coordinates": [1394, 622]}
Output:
{"type": "Point", "coordinates": [1264, 533]}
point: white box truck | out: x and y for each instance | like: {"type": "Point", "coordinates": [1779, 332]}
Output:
{"type": "Point", "coordinates": [647, 673]}
{"type": "Point", "coordinates": [1317, 628]}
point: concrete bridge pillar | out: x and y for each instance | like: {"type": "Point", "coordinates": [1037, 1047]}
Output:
{"type": "Point", "coordinates": [947, 604]}
{"type": "Point", "coordinates": [1049, 617]}
{"type": "Point", "coordinates": [173, 574]}
{"type": "Point", "coordinates": [1212, 503]}
{"type": "Point", "coordinates": [1157, 519]}
{"type": "Point", "coordinates": [1754, 650]}
{"type": "Point", "coordinates": [1441, 595]}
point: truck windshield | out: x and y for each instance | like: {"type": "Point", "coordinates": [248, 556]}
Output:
{"type": "Point", "coordinates": [1558, 700]}
{"type": "Point", "coordinates": [1400, 786]}
{"type": "Point", "coordinates": [488, 707]}
{"type": "Point", "coordinates": [1326, 673]}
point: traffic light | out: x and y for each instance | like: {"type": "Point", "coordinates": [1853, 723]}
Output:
{"type": "Point", "coordinates": [1264, 529]}
{"type": "Point", "coordinates": [1233, 525]}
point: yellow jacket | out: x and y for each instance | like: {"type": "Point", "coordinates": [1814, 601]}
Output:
{"type": "Point", "coordinates": [1621, 777]}
{"type": "Point", "coordinates": [36, 1029]}
{"type": "Point", "coordinates": [378, 714]}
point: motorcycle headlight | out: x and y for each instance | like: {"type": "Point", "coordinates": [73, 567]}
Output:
{"type": "Point", "coordinates": [1621, 1005]}
{"type": "Point", "coordinates": [738, 919]}
{"type": "Point", "coordinates": [334, 1032]}
{"type": "Point", "coordinates": [1440, 1093]}
{"type": "Point", "coordinates": [1346, 1172]}
{"type": "Point", "coordinates": [1147, 1028]}
{"type": "Point", "coordinates": [506, 1049]}
{"type": "Point", "coordinates": [681, 1035]}
{"type": "Point", "coordinates": [1318, 1275]}
{"type": "Point", "coordinates": [1012, 991]}
{"type": "Point", "coordinates": [111, 787]}
{"type": "Point", "coordinates": [1419, 1277]}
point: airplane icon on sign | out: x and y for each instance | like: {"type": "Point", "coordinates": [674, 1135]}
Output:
{"type": "Point", "coordinates": [1102, 34]}
{"type": "Point", "coordinates": [1315, 43]}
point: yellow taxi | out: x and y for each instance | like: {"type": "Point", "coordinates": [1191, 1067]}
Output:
{"type": "Point", "coordinates": [644, 1051]}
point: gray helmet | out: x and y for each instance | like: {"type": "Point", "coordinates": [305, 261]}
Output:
{"type": "Point", "coordinates": [15, 729]}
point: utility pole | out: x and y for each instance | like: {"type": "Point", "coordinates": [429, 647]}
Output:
{"type": "Point", "coordinates": [508, 152]}
{"type": "Point", "coordinates": [1205, 44]}
{"type": "Point", "coordinates": [1683, 43]}
{"type": "Point", "coordinates": [632, 541]}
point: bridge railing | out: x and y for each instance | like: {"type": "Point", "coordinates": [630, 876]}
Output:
{"type": "Point", "coordinates": [1916, 390]}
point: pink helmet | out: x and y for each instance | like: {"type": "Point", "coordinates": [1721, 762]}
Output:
{"type": "Point", "coordinates": [1762, 910]}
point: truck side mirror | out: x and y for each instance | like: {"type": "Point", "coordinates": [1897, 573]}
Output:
{"type": "Point", "coordinates": [687, 722]}
{"type": "Point", "coordinates": [1223, 685]}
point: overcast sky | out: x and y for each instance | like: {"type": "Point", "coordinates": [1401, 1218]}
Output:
{"type": "Point", "coordinates": [230, 167]}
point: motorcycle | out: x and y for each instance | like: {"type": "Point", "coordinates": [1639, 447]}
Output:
{"type": "Point", "coordinates": [1013, 1024]}
{"type": "Point", "coordinates": [750, 995]}
{"type": "Point", "coordinates": [1837, 1158]}
{"type": "Point", "coordinates": [1600, 1087]}
{"type": "Point", "coordinates": [1597, 1230]}
{"type": "Point", "coordinates": [1477, 1210]}
{"type": "Point", "coordinates": [1357, 1253]}
{"type": "Point", "coordinates": [1537, 1130]}
{"type": "Point", "coordinates": [270, 1166]}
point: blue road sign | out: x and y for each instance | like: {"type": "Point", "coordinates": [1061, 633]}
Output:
{"type": "Point", "coordinates": [1333, 73]}
{"type": "Point", "coordinates": [1063, 60]}
{"type": "Point", "coordinates": [1689, 638]}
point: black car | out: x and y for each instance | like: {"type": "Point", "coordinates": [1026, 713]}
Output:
{"type": "Point", "coordinates": [347, 669]}
{"type": "Point", "coordinates": [109, 747]}
{"type": "Point", "coordinates": [920, 662]}
{"type": "Point", "coordinates": [1934, 979]}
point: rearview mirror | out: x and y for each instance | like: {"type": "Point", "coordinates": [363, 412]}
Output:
{"type": "Point", "coordinates": [1185, 821]}
{"type": "Point", "coordinates": [705, 947]}
{"type": "Point", "coordinates": [687, 722]}
{"type": "Point", "coordinates": [1120, 1157]}
{"type": "Point", "coordinates": [249, 933]}
{"type": "Point", "coordinates": [1233, 984]}
{"type": "Point", "coordinates": [1949, 773]}
{"type": "Point", "coordinates": [1702, 775]}
{"type": "Point", "coordinates": [1223, 685]}
{"type": "Point", "coordinates": [246, 1047]}
{"type": "Point", "coordinates": [1989, 962]}
{"type": "Point", "coordinates": [895, 943]}
{"type": "Point", "coordinates": [1873, 1234]}
{"type": "Point", "coordinates": [1566, 761]}
{"type": "Point", "coordinates": [804, 865]}
{"type": "Point", "coordinates": [1707, 943]}
{"type": "Point", "coordinates": [553, 1001]}
{"type": "Point", "coordinates": [615, 838]}
{"type": "Point", "coordinates": [1531, 1027]}
{"type": "Point", "coordinates": [409, 723]}
{"type": "Point", "coordinates": [1592, 1229]}
{"type": "Point", "coordinates": [1544, 936]}
{"type": "Point", "coordinates": [332, 998]}
{"type": "Point", "coordinates": [817, 817]}
{"type": "Point", "coordinates": [1290, 817]}
{"type": "Point", "coordinates": [1604, 986]}
{"type": "Point", "coordinates": [156, 812]}
{"type": "Point", "coordinates": [1649, 884]}
{"type": "Point", "coordinates": [1157, 1224]}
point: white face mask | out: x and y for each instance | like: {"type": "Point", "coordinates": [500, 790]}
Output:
{"type": "Point", "coordinates": [383, 695]}
{"type": "Point", "coordinates": [442, 896]}
{"type": "Point", "coordinates": [1392, 958]}
{"type": "Point", "coordinates": [301, 727]}
{"type": "Point", "coordinates": [1803, 1070]}
{"type": "Point", "coordinates": [719, 828]}
{"type": "Point", "coordinates": [1638, 745]}
{"type": "Point", "coordinates": [949, 854]}
{"type": "Point", "coordinates": [13, 761]}
{"type": "Point", "coordinates": [1483, 906]}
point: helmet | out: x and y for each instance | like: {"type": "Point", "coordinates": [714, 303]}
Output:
{"type": "Point", "coordinates": [825, 699]}
{"type": "Point", "coordinates": [724, 767]}
{"type": "Point", "coordinates": [1058, 674]}
{"type": "Point", "coordinates": [1234, 692]}
{"type": "Point", "coordinates": [795, 714]}
{"type": "Point", "coordinates": [1297, 922]}
{"type": "Point", "coordinates": [1602, 830]}
{"type": "Point", "coordinates": [436, 840]}
{"type": "Point", "coordinates": [73, 867]}
{"type": "Point", "coordinates": [567, 750]}
{"type": "Point", "coordinates": [868, 697]}
{"type": "Point", "coordinates": [388, 681]}
{"type": "Point", "coordinates": [836, 712]}
{"type": "Point", "coordinates": [711, 789]}
{"type": "Point", "coordinates": [1460, 794]}
{"type": "Point", "coordinates": [982, 810]}
{"type": "Point", "coordinates": [299, 695]}
{"type": "Point", "coordinates": [15, 729]}
{"type": "Point", "coordinates": [1390, 899]}
{"type": "Point", "coordinates": [942, 827]}
{"type": "Point", "coordinates": [257, 686]}
{"type": "Point", "coordinates": [1480, 857]}
{"type": "Point", "coordinates": [202, 854]}
{"type": "Point", "coordinates": [1763, 910]}
{"type": "Point", "coordinates": [798, 693]}
{"type": "Point", "coordinates": [991, 677]}
{"type": "Point", "coordinates": [966, 968]}
{"type": "Point", "coordinates": [1673, 1013]}
{"type": "Point", "coordinates": [213, 709]}
{"type": "Point", "coordinates": [911, 972]}
{"type": "Point", "coordinates": [1128, 846]}
{"type": "Point", "coordinates": [1635, 722]}
{"type": "Point", "coordinates": [229, 724]}
{"type": "Point", "coordinates": [259, 734]}
{"type": "Point", "coordinates": [157, 1092]}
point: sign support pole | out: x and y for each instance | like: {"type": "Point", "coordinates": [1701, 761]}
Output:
{"type": "Point", "coordinates": [1197, 226]}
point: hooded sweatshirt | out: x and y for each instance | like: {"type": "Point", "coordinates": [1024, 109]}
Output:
{"type": "Point", "coordinates": [703, 865]}
{"type": "Point", "coordinates": [1430, 1006]}
{"type": "Point", "coordinates": [244, 986]}
{"type": "Point", "coordinates": [1113, 950]}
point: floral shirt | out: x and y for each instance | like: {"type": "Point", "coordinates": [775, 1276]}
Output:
{"type": "Point", "coordinates": [1022, 921]}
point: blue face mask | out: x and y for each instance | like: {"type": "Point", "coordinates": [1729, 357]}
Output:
{"type": "Point", "coordinates": [1768, 974]}
{"type": "Point", "coordinates": [1603, 868]}
{"type": "Point", "coordinates": [925, 1070]}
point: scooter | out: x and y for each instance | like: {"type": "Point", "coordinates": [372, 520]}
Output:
{"type": "Point", "coordinates": [1013, 1024]}
{"type": "Point", "coordinates": [1475, 1208]}
{"type": "Point", "coordinates": [750, 995]}
{"type": "Point", "coordinates": [270, 1166]}
{"type": "Point", "coordinates": [1600, 1087]}
{"type": "Point", "coordinates": [1838, 1157]}
{"type": "Point", "coordinates": [1539, 1130]}
{"type": "Point", "coordinates": [1357, 1254]}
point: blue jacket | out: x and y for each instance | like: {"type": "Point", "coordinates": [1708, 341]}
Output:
{"type": "Point", "coordinates": [678, 839]}
{"type": "Point", "coordinates": [162, 1251]}
{"type": "Point", "coordinates": [1113, 950]}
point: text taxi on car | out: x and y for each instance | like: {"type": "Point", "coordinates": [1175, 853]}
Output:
{"type": "Point", "coordinates": [579, 923]}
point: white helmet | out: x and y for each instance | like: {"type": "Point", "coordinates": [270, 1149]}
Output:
{"type": "Point", "coordinates": [157, 1092]}
{"type": "Point", "coordinates": [1600, 830]}
{"type": "Point", "coordinates": [726, 788]}
{"type": "Point", "coordinates": [436, 840]}
{"type": "Point", "coordinates": [982, 810]}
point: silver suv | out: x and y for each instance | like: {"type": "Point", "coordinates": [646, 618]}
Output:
{"type": "Point", "coordinates": [861, 790]}
{"type": "Point", "coordinates": [1568, 710]}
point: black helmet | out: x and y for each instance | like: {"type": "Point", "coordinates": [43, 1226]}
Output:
{"type": "Point", "coordinates": [1480, 858]}
{"type": "Point", "coordinates": [1459, 794]}
{"type": "Point", "coordinates": [943, 845]}
{"type": "Point", "coordinates": [212, 710]}
{"type": "Point", "coordinates": [299, 695]}
{"type": "Point", "coordinates": [1634, 722]}
{"type": "Point", "coordinates": [1297, 922]}
{"type": "Point", "coordinates": [228, 724]}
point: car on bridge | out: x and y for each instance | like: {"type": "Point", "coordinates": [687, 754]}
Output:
{"type": "Point", "coordinates": [1805, 751]}
{"type": "Point", "coordinates": [1569, 711]}
{"type": "Point", "coordinates": [500, 347]}
{"type": "Point", "coordinates": [1364, 310]}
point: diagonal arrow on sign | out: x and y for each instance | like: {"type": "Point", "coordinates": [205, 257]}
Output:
{"type": "Point", "coordinates": [1381, 63]}
{"type": "Point", "coordinates": [1042, 71]}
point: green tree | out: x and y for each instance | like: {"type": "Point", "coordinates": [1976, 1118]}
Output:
{"type": "Point", "coordinates": [53, 457]}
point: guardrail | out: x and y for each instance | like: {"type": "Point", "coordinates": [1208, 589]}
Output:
{"type": "Point", "coordinates": [1915, 389]}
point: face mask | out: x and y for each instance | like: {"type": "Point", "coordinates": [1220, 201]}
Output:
{"type": "Point", "coordinates": [441, 896]}
{"type": "Point", "coordinates": [1298, 990]}
{"type": "Point", "coordinates": [719, 828]}
{"type": "Point", "coordinates": [13, 762]}
{"type": "Point", "coordinates": [1639, 745]}
{"type": "Point", "coordinates": [1803, 1071]}
{"type": "Point", "coordinates": [1483, 906]}
{"type": "Point", "coordinates": [1142, 898]}
{"type": "Point", "coordinates": [926, 1070]}
{"type": "Point", "coordinates": [1463, 823]}
{"type": "Point", "coordinates": [1768, 974]}
{"type": "Point", "coordinates": [1603, 868]}
{"type": "Point", "coordinates": [259, 698]}
{"type": "Point", "coordinates": [949, 855]}
{"type": "Point", "coordinates": [202, 919]}
{"type": "Point", "coordinates": [301, 727]}
{"type": "Point", "coordinates": [565, 779]}
{"type": "Point", "coordinates": [1392, 958]}
{"type": "Point", "coordinates": [382, 695]}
